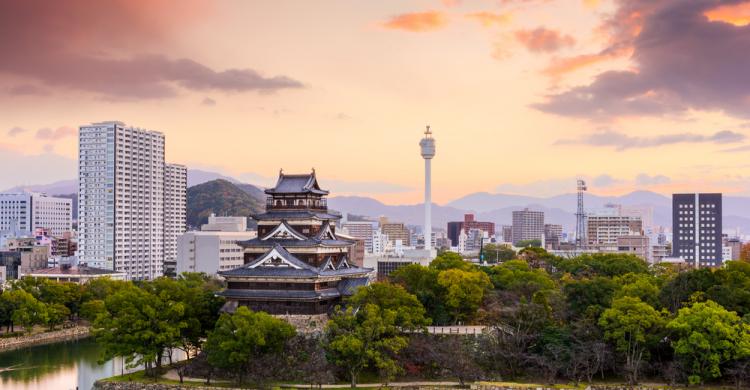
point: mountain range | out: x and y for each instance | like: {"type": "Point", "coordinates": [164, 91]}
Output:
{"type": "Point", "coordinates": [496, 208]}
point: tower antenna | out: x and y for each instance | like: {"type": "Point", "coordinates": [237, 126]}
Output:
{"type": "Point", "coordinates": [581, 240]}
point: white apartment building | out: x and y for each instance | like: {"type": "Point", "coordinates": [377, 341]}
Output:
{"type": "Point", "coordinates": [24, 212]}
{"type": "Point", "coordinates": [214, 248]}
{"type": "Point", "coordinates": [380, 242]}
{"type": "Point", "coordinates": [121, 214]}
{"type": "Point", "coordinates": [604, 230]}
{"type": "Point", "coordinates": [175, 212]}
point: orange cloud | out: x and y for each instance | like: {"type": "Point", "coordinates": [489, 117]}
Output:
{"type": "Point", "coordinates": [543, 40]}
{"type": "Point", "coordinates": [488, 19]}
{"type": "Point", "coordinates": [418, 21]}
{"type": "Point", "coordinates": [736, 14]}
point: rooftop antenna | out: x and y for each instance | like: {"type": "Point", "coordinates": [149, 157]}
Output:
{"type": "Point", "coordinates": [581, 217]}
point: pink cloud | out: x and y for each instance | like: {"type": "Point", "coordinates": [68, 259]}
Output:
{"type": "Point", "coordinates": [417, 21]}
{"type": "Point", "coordinates": [544, 40]}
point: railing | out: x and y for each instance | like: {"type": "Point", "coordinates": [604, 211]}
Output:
{"type": "Point", "coordinates": [295, 204]}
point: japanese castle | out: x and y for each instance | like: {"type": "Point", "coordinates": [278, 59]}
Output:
{"type": "Point", "coordinates": [297, 264]}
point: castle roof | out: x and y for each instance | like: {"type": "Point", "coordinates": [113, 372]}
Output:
{"type": "Point", "coordinates": [297, 184]}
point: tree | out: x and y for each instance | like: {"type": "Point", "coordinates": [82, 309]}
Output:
{"type": "Point", "coordinates": [91, 309]}
{"type": "Point", "coordinates": [634, 326]}
{"type": "Point", "coordinates": [707, 336]}
{"type": "Point", "coordinates": [139, 326]}
{"type": "Point", "coordinates": [464, 292]}
{"type": "Point", "coordinates": [529, 243]}
{"type": "Point", "coordinates": [241, 337]}
{"type": "Point", "coordinates": [367, 337]}
{"type": "Point", "coordinates": [422, 282]}
{"type": "Point", "coordinates": [589, 296]}
{"type": "Point", "coordinates": [56, 314]}
{"type": "Point", "coordinates": [516, 276]}
{"type": "Point", "coordinates": [494, 253]}
{"type": "Point", "coordinates": [410, 315]}
{"type": "Point", "coordinates": [642, 286]}
{"type": "Point", "coordinates": [27, 311]}
{"type": "Point", "coordinates": [451, 260]}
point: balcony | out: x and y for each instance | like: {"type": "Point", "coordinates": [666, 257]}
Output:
{"type": "Point", "coordinates": [296, 204]}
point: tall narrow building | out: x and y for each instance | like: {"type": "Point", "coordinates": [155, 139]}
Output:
{"type": "Point", "coordinates": [121, 214]}
{"type": "Point", "coordinates": [175, 213]}
{"type": "Point", "coordinates": [427, 149]}
{"type": "Point", "coordinates": [696, 229]}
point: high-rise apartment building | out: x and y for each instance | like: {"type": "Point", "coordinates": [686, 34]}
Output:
{"type": "Point", "coordinates": [121, 195]}
{"type": "Point", "coordinates": [696, 228]}
{"type": "Point", "coordinates": [175, 212]}
{"type": "Point", "coordinates": [602, 231]}
{"type": "Point", "coordinates": [528, 225]}
{"type": "Point", "coordinates": [24, 212]}
{"type": "Point", "coordinates": [361, 230]}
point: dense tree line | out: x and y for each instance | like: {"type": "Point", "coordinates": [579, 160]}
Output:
{"type": "Point", "coordinates": [592, 317]}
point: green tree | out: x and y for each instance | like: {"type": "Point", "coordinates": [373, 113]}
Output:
{"type": "Point", "coordinates": [365, 337]}
{"type": "Point", "coordinates": [464, 292]}
{"type": "Point", "coordinates": [56, 314]}
{"type": "Point", "coordinates": [422, 282]}
{"type": "Point", "coordinates": [28, 311]}
{"type": "Point", "coordinates": [139, 326]}
{"type": "Point", "coordinates": [496, 253]}
{"type": "Point", "coordinates": [451, 260]}
{"type": "Point", "coordinates": [516, 276]}
{"type": "Point", "coordinates": [243, 336]}
{"type": "Point", "coordinates": [529, 243]}
{"type": "Point", "coordinates": [634, 326]}
{"type": "Point", "coordinates": [588, 296]}
{"type": "Point", "coordinates": [91, 309]}
{"type": "Point", "coordinates": [410, 314]}
{"type": "Point", "coordinates": [643, 286]}
{"type": "Point", "coordinates": [707, 336]}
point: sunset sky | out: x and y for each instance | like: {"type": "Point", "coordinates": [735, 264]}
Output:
{"type": "Point", "coordinates": [522, 96]}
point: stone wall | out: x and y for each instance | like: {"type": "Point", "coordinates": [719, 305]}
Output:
{"type": "Point", "coordinates": [306, 323]}
{"type": "Point", "coordinates": [103, 385]}
{"type": "Point", "coordinates": [54, 336]}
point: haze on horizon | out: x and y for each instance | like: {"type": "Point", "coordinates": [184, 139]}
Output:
{"type": "Point", "coordinates": [523, 96]}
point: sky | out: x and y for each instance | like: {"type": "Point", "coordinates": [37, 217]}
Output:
{"type": "Point", "coordinates": [522, 96]}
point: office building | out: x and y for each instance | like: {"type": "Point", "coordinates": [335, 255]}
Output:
{"type": "Point", "coordinates": [363, 230]}
{"type": "Point", "coordinates": [637, 245]}
{"type": "Point", "coordinates": [507, 234]}
{"type": "Point", "coordinates": [469, 222]}
{"type": "Point", "coordinates": [552, 236]}
{"type": "Point", "coordinates": [121, 197]}
{"type": "Point", "coordinates": [527, 225]}
{"type": "Point", "coordinates": [396, 231]}
{"type": "Point", "coordinates": [33, 256]}
{"type": "Point", "coordinates": [696, 229]}
{"type": "Point", "coordinates": [24, 212]}
{"type": "Point", "coordinates": [175, 213]}
{"type": "Point", "coordinates": [214, 248]}
{"type": "Point", "coordinates": [10, 262]}
{"type": "Point", "coordinates": [603, 230]}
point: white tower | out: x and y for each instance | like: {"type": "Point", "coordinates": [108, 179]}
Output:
{"type": "Point", "coordinates": [427, 144]}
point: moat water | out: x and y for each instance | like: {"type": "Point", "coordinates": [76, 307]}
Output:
{"type": "Point", "coordinates": [67, 365]}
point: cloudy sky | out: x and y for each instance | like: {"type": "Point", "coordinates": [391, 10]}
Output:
{"type": "Point", "coordinates": [522, 96]}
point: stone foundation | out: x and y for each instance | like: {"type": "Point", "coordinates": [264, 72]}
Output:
{"type": "Point", "coordinates": [54, 336]}
{"type": "Point", "coordinates": [306, 323]}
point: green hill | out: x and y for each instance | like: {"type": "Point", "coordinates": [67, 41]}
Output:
{"type": "Point", "coordinates": [223, 198]}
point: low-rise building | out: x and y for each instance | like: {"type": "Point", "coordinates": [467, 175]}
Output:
{"type": "Point", "coordinates": [214, 248]}
{"type": "Point", "coordinates": [10, 262]}
{"type": "Point", "coordinates": [33, 256]}
{"type": "Point", "coordinates": [76, 274]}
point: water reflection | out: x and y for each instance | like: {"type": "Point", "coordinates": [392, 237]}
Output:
{"type": "Point", "coordinates": [68, 365]}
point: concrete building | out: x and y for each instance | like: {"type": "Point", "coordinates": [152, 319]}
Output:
{"type": "Point", "coordinates": [76, 274]}
{"type": "Point", "coordinates": [214, 248]}
{"type": "Point", "coordinates": [175, 213]}
{"type": "Point", "coordinates": [602, 231]}
{"type": "Point", "coordinates": [507, 234]}
{"type": "Point", "coordinates": [658, 253]}
{"type": "Point", "coordinates": [121, 195]}
{"type": "Point", "coordinates": [363, 230]}
{"type": "Point", "coordinates": [552, 236]}
{"type": "Point", "coordinates": [527, 225]}
{"type": "Point", "coordinates": [33, 256]}
{"type": "Point", "coordinates": [635, 245]}
{"type": "Point", "coordinates": [10, 263]}
{"type": "Point", "coordinates": [380, 242]}
{"type": "Point", "coordinates": [396, 231]}
{"type": "Point", "coordinates": [696, 229]}
{"type": "Point", "coordinates": [469, 222]}
{"type": "Point", "coordinates": [27, 211]}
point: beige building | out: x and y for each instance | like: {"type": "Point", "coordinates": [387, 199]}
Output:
{"type": "Point", "coordinates": [635, 245]}
{"type": "Point", "coordinates": [395, 231]}
{"type": "Point", "coordinates": [604, 230]}
{"type": "Point", "coordinates": [33, 256]}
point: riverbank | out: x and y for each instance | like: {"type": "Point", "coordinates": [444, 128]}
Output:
{"type": "Point", "coordinates": [68, 334]}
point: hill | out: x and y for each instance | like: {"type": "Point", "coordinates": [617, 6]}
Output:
{"type": "Point", "coordinates": [221, 197]}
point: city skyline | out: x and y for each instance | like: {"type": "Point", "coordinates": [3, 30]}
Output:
{"type": "Point", "coordinates": [523, 97]}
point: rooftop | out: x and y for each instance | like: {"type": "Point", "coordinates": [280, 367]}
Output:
{"type": "Point", "coordinates": [297, 184]}
{"type": "Point", "coordinates": [74, 271]}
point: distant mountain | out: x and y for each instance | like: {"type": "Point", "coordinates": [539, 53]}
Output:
{"type": "Point", "coordinates": [197, 176]}
{"type": "Point", "coordinates": [409, 214]}
{"type": "Point", "coordinates": [56, 188]}
{"type": "Point", "coordinates": [253, 191]}
{"type": "Point", "coordinates": [222, 198]}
